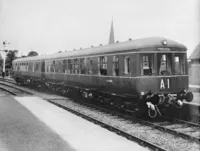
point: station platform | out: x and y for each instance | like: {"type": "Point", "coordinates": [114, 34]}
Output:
{"type": "Point", "coordinates": [194, 88]}
{"type": "Point", "coordinates": [20, 130]}
{"type": "Point", "coordinates": [30, 123]}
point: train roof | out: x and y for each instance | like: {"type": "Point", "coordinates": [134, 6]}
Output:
{"type": "Point", "coordinates": [111, 48]}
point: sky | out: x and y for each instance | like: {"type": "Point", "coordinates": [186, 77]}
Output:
{"type": "Point", "coordinates": [49, 26]}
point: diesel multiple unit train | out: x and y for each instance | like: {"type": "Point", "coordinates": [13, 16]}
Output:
{"type": "Point", "coordinates": [132, 75]}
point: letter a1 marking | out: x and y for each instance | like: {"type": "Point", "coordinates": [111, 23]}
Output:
{"type": "Point", "coordinates": [168, 83]}
{"type": "Point", "coordinates": [162, 84]}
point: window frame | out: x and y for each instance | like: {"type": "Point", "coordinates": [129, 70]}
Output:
{"type": "Point", "coordinates": [148, 60]}
{"type": "Point", "coordinates": [127, 65]}
{"type": "Point", "coordinates": [115, 65]}
{"type": "Point", "coordinates": [103, 65]}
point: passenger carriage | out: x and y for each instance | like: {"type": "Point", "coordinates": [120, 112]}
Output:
{"type": "Point", "coordinates": [126, 72]}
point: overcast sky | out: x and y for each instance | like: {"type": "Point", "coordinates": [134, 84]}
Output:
{"type": "Point", "coordinates": [48, 26]}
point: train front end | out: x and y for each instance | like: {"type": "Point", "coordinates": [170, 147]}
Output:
{"type": "Point", "coordinates": [163, 78]}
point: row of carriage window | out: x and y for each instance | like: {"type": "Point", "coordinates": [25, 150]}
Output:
{"type": "Point", "coordinates": [86, 65]}
{"type": "Point", "coordinates": [75, 66]}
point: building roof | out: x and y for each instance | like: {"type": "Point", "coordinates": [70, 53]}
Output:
{"type": "Point", "coordinates": [196, 53]}
{"type": "Point", "coordinates": [111, 48]}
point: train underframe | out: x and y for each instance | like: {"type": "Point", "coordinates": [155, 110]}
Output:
{"type": "Point", "coordinates": [150, 104]}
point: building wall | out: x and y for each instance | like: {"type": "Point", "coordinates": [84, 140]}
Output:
{"type": "Point", "coordinates": [194, 73]}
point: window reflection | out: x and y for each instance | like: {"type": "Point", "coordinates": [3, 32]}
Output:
{"type": "Point", "coordinates": [147, 65]}
{"type": "Point", "coordinates": [164, 64]}
{"type": "Point", "coordinates": [179, 63]}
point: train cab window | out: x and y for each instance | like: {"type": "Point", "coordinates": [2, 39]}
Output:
{"type": "Point", "coordinates": [115, 69]}
{"type": "Point", "coordinates": [179, 64]}
{"type": "Point", "coordinates": [126, 64]}
{"type": "Point", "coordinates": [147, 64]}
{"type": "Point", "coordinates": [102, 64]}
{"type": "Point", "coordinates": [164, 64]}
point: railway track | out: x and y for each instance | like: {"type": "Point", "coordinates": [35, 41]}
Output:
{"type": "Point", "coordinates": [111, 128]}
{"type": "Point", "coordinates": [126, 125]}
{"type": "Point", "coordinates": [13, 90]}
{"type": "Point", "coordinates": [181, 128]}
{"type": "Point", "coordinates": [178, 128]}
{"type": "Point", "coordinates": [7, 80]}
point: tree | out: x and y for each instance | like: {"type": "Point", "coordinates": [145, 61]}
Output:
{"type": "Point", "coordinates": [11, 55]}
{"type": "Point", "coordinates": [32, 53]}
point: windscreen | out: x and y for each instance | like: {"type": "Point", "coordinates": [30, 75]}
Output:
{"type": "Point", "coordinates": [163, 64]}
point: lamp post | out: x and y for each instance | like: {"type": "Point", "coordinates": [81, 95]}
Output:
{"type": "Point", "coordinates": [3, 54]}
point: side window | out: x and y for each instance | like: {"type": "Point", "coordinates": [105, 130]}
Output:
{"type": "Point", "coordinates": [126, 64]}
{"type": "Point", "coordinates": [83, 65]}
{"type": "Point", "coordinates": [147, 64]}
{"type": "Point", "coordinates": [76, 66]}
{"type": "Point", "coordinates": [164, 64]}
{"type": "Point", "coordinates": [36, 67]}
{"type": "Point", "coordinates": [33, 67]}
{"type": "Point", "coordinates": [89, 66]}
{"type": "Point", "coordinates": [69, 64]}
{"type": "Point", "coordinates": [18, 67]}
{"type": "Point", "coordinates": [58, 66]}
{"type": "Point", "coordinates": [102, 65]}
{"type": "Point", "coordinates": [64, 69]}
{"type": "Point", "coordinates": [29, 66]}
{"type": "Point", "coordinates": [52, 66]}
{"type": "Point", "coordinates": [115, 68]}
{"type": "Point", "coordinates": [48, 66]}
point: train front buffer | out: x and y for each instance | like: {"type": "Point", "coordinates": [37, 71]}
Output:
{"type": "Point", "coordinates": [163, 91]}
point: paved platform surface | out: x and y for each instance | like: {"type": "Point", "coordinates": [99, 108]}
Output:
{"type": "Point", "coordinates": [32, 124]}
{"type": "Point", "coordinates": [20, 130]}
{"type": "Point", "coordinates": [81, 134]}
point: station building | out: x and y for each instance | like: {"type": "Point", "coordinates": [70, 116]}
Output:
{"type": "Point", "coordinates": [194, 67]}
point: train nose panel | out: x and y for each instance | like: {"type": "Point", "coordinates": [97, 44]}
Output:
{"type": "Point", "coordinates": [168, 84]}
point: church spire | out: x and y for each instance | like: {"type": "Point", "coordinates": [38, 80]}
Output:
{"type": "Point", "coordinates": [111, 38]}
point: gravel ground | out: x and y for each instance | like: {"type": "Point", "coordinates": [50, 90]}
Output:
{"type": "Point", "coordinates": [165, 140]}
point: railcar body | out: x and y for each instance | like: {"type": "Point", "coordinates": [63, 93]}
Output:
{"type": "Point", "coordinates": [137, 69]}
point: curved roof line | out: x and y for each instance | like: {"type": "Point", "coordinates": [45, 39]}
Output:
{"type": "Point", "coordinates": [117, 47]}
